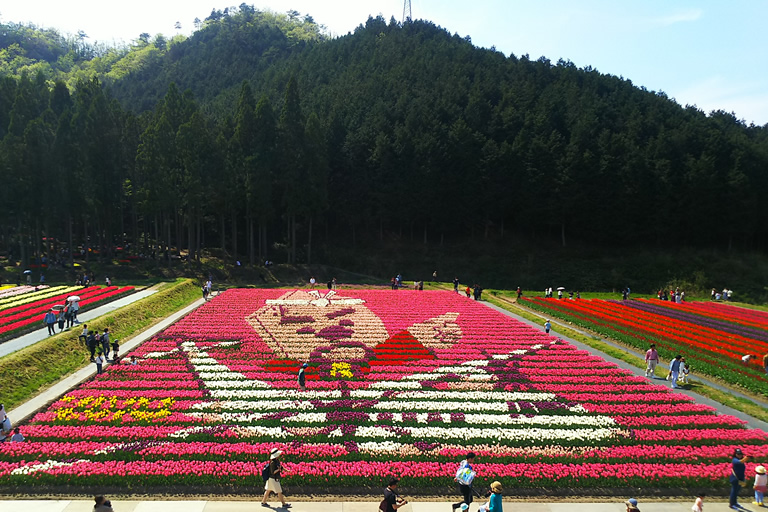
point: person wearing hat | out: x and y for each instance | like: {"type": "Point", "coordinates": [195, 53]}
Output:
{"type": "Point", "coordinates": [631, 504]}
{"type": "Point", "coordinates": [737, 477]}
{"type": "Point", "coordinates": [273, 482]}
{"type": "Point", "coordinates": [303, 377]}
{"type": "Point", "coordinates": [494, 501]}
{"type": "Point", "coordinates": [761, 481]}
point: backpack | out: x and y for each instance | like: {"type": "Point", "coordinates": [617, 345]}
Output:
{"type": "Point", "coordinates": [266, 473]}
{"type": "Point", "coordinates": [383, 506]}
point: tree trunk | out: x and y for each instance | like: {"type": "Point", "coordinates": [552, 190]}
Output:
{"type": "Point", "coordinates": [69, 240]}
{"type": "Point", "coordinates": [309, 243]}
{"type": "Point", "coordinates": [234, 234]}
{"type": "Point", "coordinates": [190, 237]}
{"type": "Point", "coordinates": [22, 246]}
{"type": "Point", "coordinates": [562, 232]}
{"type": "Point", "coordinates": [87, 244]}
{"type": "Point", "coordinates": [223, 235]}
{"type": "Point", "coordinates": [251, 243]}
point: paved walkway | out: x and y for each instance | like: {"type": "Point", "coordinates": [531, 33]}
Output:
{"type": "Point", "coordinates": [346, 506]}
{"type": "Point", "coordinates": [751, 422]}
{"type": "Point", "coordinates": [16, 344]}
{"type": "Point", "coordinates": [28, 409]}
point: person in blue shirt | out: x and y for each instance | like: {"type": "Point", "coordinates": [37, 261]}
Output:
{"type": "Point", "coordinates": [494, 501]}
{"type": "Point", "coordinates": [50, 321]}
{"type": "Point", "coordinates": [737, 477]}
{"type": "Point", "coordinates": [674, 368]}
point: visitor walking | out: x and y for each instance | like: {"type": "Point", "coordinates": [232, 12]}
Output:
{"type": "Point", "coordinates": [50, 320]}
{"type": "Point", "coordinates": [519, 293]}
{"type": "Point", "coordinates": [674, 369]}
{"type": "Point", "coordinates": [312, 282]}
{"type": "Point", "coordinates": [392, 501]}
{"type": "Point", "coordinates": [102, 504]}
{"type": "Point", "coordinates": [464, 477]}
{"type": "Point", "coordinates": [105, 342]}
{"type": "Point", "coordinates": [737, 477]}
{"type": "Point", "coordinates": [99, 364]}
{"type": "Point", "coordinates": [494, 502]}
{"type": "Point", "coordinates": [547, 326]}
{"type": "Point", "coordinates": [698, 505]}
{"type": "Point", "coordinates": [303, 377]}
{"type": "Point", "coordinates": [631, 504]}
{"type": "Point", "coordinates": [761, 481]}
{"type": "Point", "coordinates": [651, 360]}
{"type": "Point", "coordinates": [84, 335]}
{"type": "Point", "coordinates": [115, 351]}
{"type": "Point", "coordinates": [60, 320]}
{"type": "Point", "coordinates": [468, 291]}
{"type": "Point", "coordinates": [456, 284]}
{"type": "Point", "coordinates": [685, 372]}
{"type": "Point", "coordinates": [765, 363]}
{"type": "Point", "coordinates": [91, 344]}
{"type": "Point", "coordinates": [273, 482]}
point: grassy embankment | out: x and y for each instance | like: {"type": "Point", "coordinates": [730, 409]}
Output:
{"type": "Point", "coordinates": [503, 298]}
{"type": "Point", "coordinates": [31, 370]}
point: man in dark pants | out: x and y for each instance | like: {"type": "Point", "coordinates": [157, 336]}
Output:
{"type": "Point", "coordinates": [91, 344]}
{"type": "Point", "coordinates": [464, 488]}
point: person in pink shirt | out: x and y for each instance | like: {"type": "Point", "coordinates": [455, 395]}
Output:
{"type": "Point", "coordinates": [651, 360]}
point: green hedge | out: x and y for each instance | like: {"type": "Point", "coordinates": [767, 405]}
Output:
{"type": "Point", "coordinates": [34, 368]}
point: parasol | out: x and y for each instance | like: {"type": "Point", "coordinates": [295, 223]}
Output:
{"type": "Point", "coordinates": [73, 298]}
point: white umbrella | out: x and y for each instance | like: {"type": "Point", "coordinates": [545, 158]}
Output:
{"type": "Point", "coordinates": [73, 298]}
{"type": "Point", "coordinates": [57, 307]}
{"type": "Point", "coordinates": [561, 287]}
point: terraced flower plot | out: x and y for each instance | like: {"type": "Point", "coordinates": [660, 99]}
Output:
{"type": "Point", "coordinates": [399, 382]}
{"type": "Point", "coordinates": [712, 337]}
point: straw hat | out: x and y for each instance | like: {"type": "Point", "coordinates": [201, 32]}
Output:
{"type": "Point", "coordinates": [760, 470]}
{"type": "Point", "coordinates": [275, 453]}
{"type": "Point", "coordinates": [496, 486]}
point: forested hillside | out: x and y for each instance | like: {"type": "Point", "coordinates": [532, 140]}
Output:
{"type": "Point", "coordinates": [259, 135]}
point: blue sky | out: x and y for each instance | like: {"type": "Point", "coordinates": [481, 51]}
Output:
{"type": "Point", "coordinates": [705, 53]}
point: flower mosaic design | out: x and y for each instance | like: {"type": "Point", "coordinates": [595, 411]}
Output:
{"type": "Point", "coordinates": [398, 383]}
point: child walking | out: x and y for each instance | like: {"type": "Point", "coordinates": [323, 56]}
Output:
{"type": "Point", "coordinates": [761, 481]}
{"type": "Point", "coordinates": [698, 505]}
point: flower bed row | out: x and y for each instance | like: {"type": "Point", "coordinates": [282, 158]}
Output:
{"type": "Point", "coordinates": [398, 383]}
{"type": "Point", "coordinates": [709, 350]}
{"type": "Point", "coordinates": [14, 321]}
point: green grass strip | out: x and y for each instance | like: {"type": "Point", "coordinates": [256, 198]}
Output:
{"type": "Point", "coordinates": [30, 370]}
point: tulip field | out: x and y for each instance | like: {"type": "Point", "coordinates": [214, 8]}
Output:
{"type": "Point", "coordinates": [399, 383]}
{"type": "Point", "coordinates": [19, 312]}
{"type": "Point", "coordinates": [712, 337]}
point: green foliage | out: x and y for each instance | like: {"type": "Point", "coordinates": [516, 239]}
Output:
{"type": "Point", "coordinates": [400, 134]}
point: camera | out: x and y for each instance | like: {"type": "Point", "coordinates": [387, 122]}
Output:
{"type": "Point", "coordinates": [488, 494]}
{"type": "Point", "coordinates": [108, 503]}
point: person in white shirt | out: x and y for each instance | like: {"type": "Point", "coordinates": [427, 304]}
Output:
{"type": "Point", "coordinates": [100, 360]}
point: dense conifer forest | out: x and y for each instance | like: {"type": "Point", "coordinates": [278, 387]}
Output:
{"type": "Point", "coordinates": [263, 137]}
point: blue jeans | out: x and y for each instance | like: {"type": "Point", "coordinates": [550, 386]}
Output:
{"type": "Point", "coordinates": [735, 488]}
{"type": "Point", "coordinates": [758, 496]}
